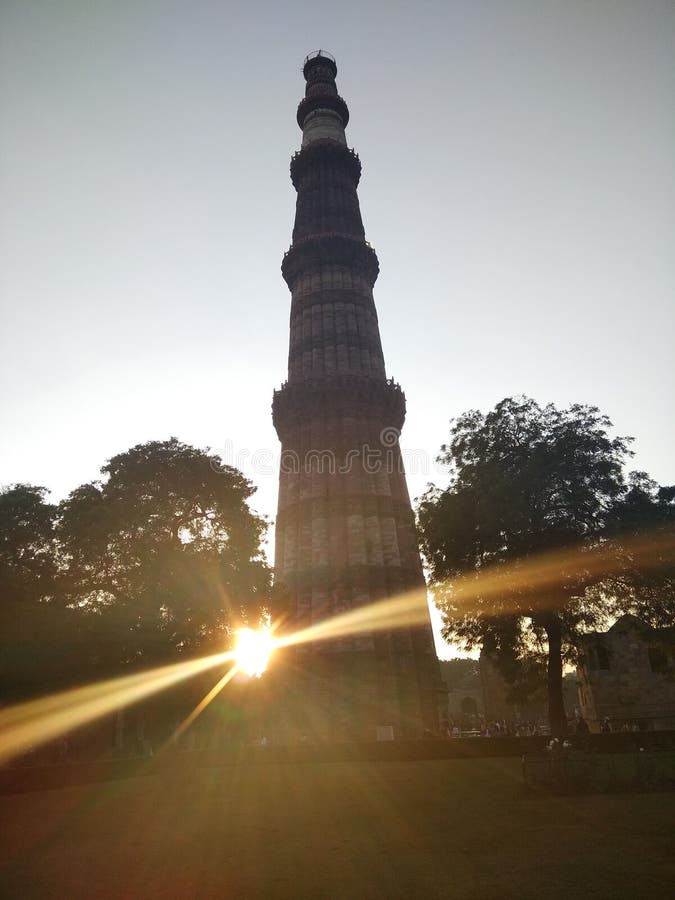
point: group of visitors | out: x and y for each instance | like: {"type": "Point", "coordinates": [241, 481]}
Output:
{"type": "Point", "coordinates": [478, 727]}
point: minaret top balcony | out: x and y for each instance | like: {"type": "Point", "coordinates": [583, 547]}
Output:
{"type": "Point", "coordinates": [317, 64]}
{"type": "Point", "coordinates": [322, 114]}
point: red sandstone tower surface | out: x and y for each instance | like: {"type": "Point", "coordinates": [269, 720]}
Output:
{"type": "Point", "coordinates": [345, 533]}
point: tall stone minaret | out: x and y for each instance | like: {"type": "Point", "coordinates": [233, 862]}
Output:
{"type": "Point", "coordinates": [345, 533]}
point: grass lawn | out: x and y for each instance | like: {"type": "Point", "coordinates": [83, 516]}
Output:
{"type": "Point", "coordinates": [446, 828]}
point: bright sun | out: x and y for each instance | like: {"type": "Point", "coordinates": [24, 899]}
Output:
{"type": "Point", "coordinates": [253, 650]}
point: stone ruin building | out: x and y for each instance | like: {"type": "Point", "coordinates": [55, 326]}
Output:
{"type": "Point", "coordinates": [627, 675]}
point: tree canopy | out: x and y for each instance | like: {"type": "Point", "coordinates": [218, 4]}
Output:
{"type": "Point", "coordinates": [160, 557]}
{"type": "Point", "coordinates": [27, 558]}
{"type": "Point", "coordinates": [517, 544]}
{"type": "Point", "coordinates": [36, 634]}
{"type": "Point", "coordinates": [644, 523]}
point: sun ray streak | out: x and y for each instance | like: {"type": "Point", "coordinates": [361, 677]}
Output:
{"type": "Point", "coordinates": [399, 612]}
{"type": "Point", "coordinates": [38, 721]}
{"type": "Point", "coordinates": [537, 578]}
{"type": "Point", "coordinates": [204, 702]}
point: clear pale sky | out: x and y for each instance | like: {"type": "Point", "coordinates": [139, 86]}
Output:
{"type": "Point", "coordinates": [518, 187]}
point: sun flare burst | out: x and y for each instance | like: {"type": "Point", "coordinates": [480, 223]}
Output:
{"type": "Point", "coordinates": [253, 650]}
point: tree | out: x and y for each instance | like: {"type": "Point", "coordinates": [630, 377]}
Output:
{"type": "Point", "coordinates": [37, 634]}
{"type": "Point", "coordinates": [643, 522]}
{"type": "Point", "coordinates": [163, 555]}
{"type": "Point", "coordinates": [27, 545]}
{"type": "Point", "coordinates": [509, 543]}
{"type": "Point", "coordinates": [458, 671]}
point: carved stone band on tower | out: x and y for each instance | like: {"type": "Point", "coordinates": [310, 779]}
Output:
{"type": "Point", "coordinates": [345, 534]}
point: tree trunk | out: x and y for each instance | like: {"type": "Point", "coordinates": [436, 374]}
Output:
{"type": "Point", "coordinates": [556, 708]}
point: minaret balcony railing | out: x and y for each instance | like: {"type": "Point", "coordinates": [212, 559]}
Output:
{"type": "Point", "coordinates": [314, 252]}
{"type": "Point", "coordinates": [315, 54]}
{"type": "Point", "coordinates": [326, 101]}
{"type": "Point", "coordinates": [380, 400]}
{"type": "Point", "coordinates": [322, 151]}
{"type": "Point", "coordinates": [319, 57]}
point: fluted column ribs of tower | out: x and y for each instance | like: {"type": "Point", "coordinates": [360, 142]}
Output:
{"type": "Point", "coordinates": [333, 326]}
{"type": "Point", "coordinates": [345, 533]}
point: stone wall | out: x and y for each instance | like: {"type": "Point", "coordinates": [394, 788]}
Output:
{"type": "Point", "coordinates": [627, 675]}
